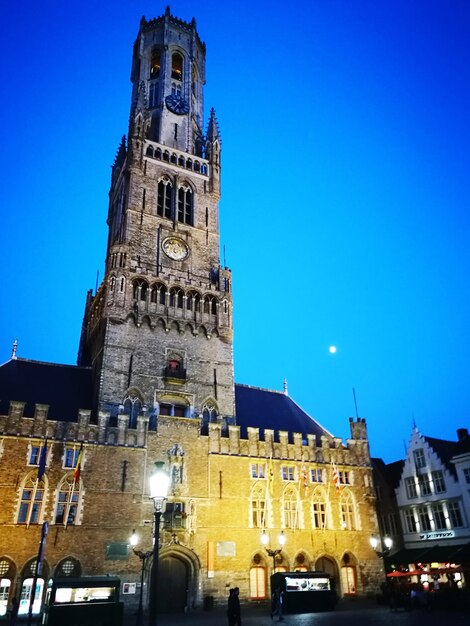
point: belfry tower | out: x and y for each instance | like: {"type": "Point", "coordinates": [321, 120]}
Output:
{"type": "Point", "coordinates": [158, 333]}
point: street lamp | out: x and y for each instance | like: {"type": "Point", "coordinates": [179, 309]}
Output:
{"type": "Point", "coordinates": [387, 545]}
{"type": "Point", "coordinates": [273, 553]}
{"type": "Point", "coordinates": [159, 482]}
{"type": "Point", "coordinates": [143, 556]}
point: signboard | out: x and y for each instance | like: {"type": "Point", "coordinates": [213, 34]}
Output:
{"type": "Point", "coordinates": [443, 534]}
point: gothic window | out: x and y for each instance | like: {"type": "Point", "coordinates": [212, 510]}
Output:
{"type": "Point", "coordinates": [122, 284]}
{"type": "Point", "coordinates": [25, 596]}
{"type": "Point", "coordinates": [193, 301]}
{"type": "Point", "coordinates": [176, 66]}
{"type": "Point", "coordinates": [319, 519]}
{"type": "Point", "coordinates": [154, 295]}
{"type": "Point", "coordinates": [149, 151]}
{"type": "Point", "coordinates": [5, 584]}
{"type": "Point", "coordinates": [132, 407]}
{"type": "Point", "coordinates": [32, 500]}
{"type": "Point", "coordinates": [68, 567]}
{"type": "Point", "coordinates": [258, 582]}
{"type": "Point", "coordinates": [162, 294]}
{"type": "Point", "coordinates": [176, 298]}
{"type": "Point", "coordinates": [290, 508]}
{"type": "Point", "coordinates": [209, 415]}
{"type": "Point", "coordinates": [140, 290]}
{"type": "Point", "coordinates": [347, 513]}
{"type": "Point", "coordinates": [68, 498]}
{"type": "Point", "coordinates": [258, 506]}
{"type": "Point", "coordinates": [155, 63]}
{"type": "Point", "coordinates": [112, 283]}
{"type": "Point", "coordinates": [185, 205]}
{"type": "Point", "coordinates": [165, 191]}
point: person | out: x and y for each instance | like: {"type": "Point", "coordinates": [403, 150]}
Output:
{"type": "Point", "coordinates": [231, 607]}
{"type": "Point", "coordinates": [13, 611]}
{"type": "Point", "coordinates": [276, 604]}
{"type": "Point", "coordinates": [237, 613]}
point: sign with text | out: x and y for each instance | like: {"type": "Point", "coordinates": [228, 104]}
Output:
{"type": "Point", "coordinates": [443, 534]}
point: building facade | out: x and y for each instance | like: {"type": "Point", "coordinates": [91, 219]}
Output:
{"type": "Point", "coordinates": [155, 382]}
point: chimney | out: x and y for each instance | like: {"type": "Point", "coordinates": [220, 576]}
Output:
{"type": "Point", "coordinates": [462, 434]}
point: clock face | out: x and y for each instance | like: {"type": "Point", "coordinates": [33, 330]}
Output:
{"type": "Point", "coordinates": [177, 104]}
{"type": "Point", "coordinates": [175, 248]}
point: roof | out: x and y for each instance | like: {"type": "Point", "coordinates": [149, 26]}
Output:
{"type": "Point", "coordinates": [390, 472]}
{"type": "Point", "coordinates": [65, 388]}
{"type": "Point", "coordinates": [446, 450]}
{"type": "Point", "coordinates": [266, 409]}
{"type": "Point", "coordinates": [68, 388]}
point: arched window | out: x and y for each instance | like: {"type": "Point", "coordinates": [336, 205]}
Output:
{"type": "Point", "coordinates": [347, 512]}
{"type": "Point", "coordinates": [348, 575]}
{"type": "Point", "coordinates": [132, 407]}
{"type": "Point", "coordinates": [164, 198]}
{"type": "Point", "coordinates": [290, 511]}
{"type": "Point", "coordinates": [69, 566]}
{"type": "Point", "coordinates": [176, 297]}
{"type": "Point", "coordinates": [68, 500]}
{"type": "Point", "coordinates": [161, 293]}
{"type": "Point", "coordinates": [176, 66]}
{"type": "Point", "coordinates": [185, 205]}
{"type": "Point", "coordinates": [193, 301]}
{"type": "Point", "coordinates": [155, 63]}
{"type": "Point", "coordinates": [209, 413]}
{"type": "Point", "coordinates": [32, 500]}
{"type": "Point", "coordinates": [258, 506]}
{"type": "Point", "coordinates": [25, 596]}
{"type": "Point", "coordinates": [319, 516]}
{"type": "Point", "coordinates": [258, 582]}
{"type": "Point", "coordinates": [7, 574]}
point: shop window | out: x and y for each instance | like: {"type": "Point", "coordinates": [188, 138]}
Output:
{"type": "Point", "coordinates": [5, 585]}
{"type": "Point", "coordinates": [25, 596]}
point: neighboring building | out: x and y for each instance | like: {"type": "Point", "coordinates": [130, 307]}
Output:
{"type": "Point", "coordinates": [155, 381]}
{"type": "Point", "coordinates": [433, 502]}
{"type": "Point", "coordinates": [386, 480]}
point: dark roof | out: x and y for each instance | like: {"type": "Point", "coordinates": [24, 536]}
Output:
{"type": "Point", "coordinates": [65, 388]}
{"type": "Point", "coordinates": [389, 473]}
{"type": "Point", "coordinates": [445, 450]}
{"type": "Point", "coordinates": [262, 408]}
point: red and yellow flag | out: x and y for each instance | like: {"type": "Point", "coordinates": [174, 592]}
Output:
{"type": "Point", "coordinates": [78, 466]}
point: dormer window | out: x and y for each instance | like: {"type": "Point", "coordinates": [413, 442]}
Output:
{"type": "Point", "coordinates": [420, 460]}
{"type": "Point", "coordinates": [155, 63]}
{"type": "Point", "coordinates": [177, 66]}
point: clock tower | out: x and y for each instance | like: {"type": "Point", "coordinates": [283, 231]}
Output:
{"type": "Point", "coordinates": [158, 333]}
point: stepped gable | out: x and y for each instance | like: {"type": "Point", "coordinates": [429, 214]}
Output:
{"type": "Point", "coordinates": [266, 409]}
{"type": "Point", "coordinates": [65, 388]}
{"type": "Point", "coordinates": [445, 450]}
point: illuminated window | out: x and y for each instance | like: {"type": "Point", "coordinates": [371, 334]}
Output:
{"type": "Point", "coordinates": [438, 514]}
{"type": "Point", "coordinates": [258, 506]}
{"type": "Point", "coordinates": [257, 582]}
{"type": "Point", "coordinates": [346, 509]}
{"type": "Point", "coordinates": [32, 494]}
{"type": "Point", "coordinates": [423, 518]}
{"type": "Point", "coordinates": [290, 508]}
{"type": "Point", "coordinates": [185, 205]}
{"type": "Point", "coordinates": [410, 521]}
{"type": "Point", "coordinates": [164, 198]}
{"type": "Point", "coordinates": [176, 66]}
{"type": "Point", "coordinates": [68, 498]}
{"type": "Point", "coordinates": [319, 519]}
{"type": "Point", "coordinates": [34, 454]}
{"type": "Point", "coordinates": [25, 596]}
{"type": "Point", "coordinates": [155, 63]}
{"type": "Point", "coordinates": [348, 579]}
{"type": "Point", "coordinates": [5, 584]}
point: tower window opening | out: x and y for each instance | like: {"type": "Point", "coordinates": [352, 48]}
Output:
{"type": "Point", "coordinates": [176, 66]}
{"type": "Point", "coordinates": [162, 298]}
{"type": "Point", "coordinates": [153, 94]}
{"type": "Point", "coordinates": [185, 205]}
{"type": "Point", "coordinates": [176, 298]}
{"type": "Point", "coordinates": [176, 89]}
{"type": "Point", "coordinates": [155, 63]}
{"type": "Point", "coordinates": [176, 134]}
{"type": "Point", "coordinates": [165, 191]}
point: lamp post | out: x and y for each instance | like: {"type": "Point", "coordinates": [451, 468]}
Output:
{"type": "Point", "coordinates": [143, 556]}
{"type": "Point", "coordinates": [273, 553]}
{"type": "Point", "coordinates": [159, 482]}
{"type": "Point", "coordinates": [386, 544]}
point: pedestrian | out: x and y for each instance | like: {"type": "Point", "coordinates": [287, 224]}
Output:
{"type": "Point", "coordinates": [13, 611]}
{"type": "Point", "coordinates": [238, 617]}
{"type": "Point", "coordinates": [276, 604]}
{"type": "Point", "coordinates": [231, 610]}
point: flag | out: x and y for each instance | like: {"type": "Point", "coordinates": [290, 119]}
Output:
{"type": "Point", "coordinates": [304, 478]}
{"type": "Point", "coordinates": [42, 460]}
{"type": "Point", "coordinates": [78, 466]}
{"type": "Point", "coordinates": [335, 475]}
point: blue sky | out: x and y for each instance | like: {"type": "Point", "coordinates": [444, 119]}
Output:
{"type": "Point", "coordinates": [345, 208]}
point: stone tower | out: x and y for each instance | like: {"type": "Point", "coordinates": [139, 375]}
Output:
{"type": "Point", "coordinates": [158, 333]}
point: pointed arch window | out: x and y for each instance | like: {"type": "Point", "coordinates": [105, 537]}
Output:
{"type": "Point", "coordinates": [185, 205]}
{"type": "Point", "coordinates": [258, 582]}
{"type": "Point", "coordinates": [347, 511]}
{"type": "Point", "coordinates": [290, 511]}
{"type": "Point", "coordinates": [155, 63]}
{"type": "Point", "coordinates": [132, 407]}
{"type": "Point", "coordinates": [176, 66]}
{"type": "Point", "coordinates": [68, 501]}
{"type": "Point", "coordinates": [319, 516]}
{"type": "Point", "coordinates": [32, 501]}
{"type": "Point", "coordinates": [258, 506]}
{"type": "Point", "coordinates": [176, 298]}
{"type": "Point", "coordinates": [164, 198]}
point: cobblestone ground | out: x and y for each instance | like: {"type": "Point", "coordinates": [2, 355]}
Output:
{"type": "Point", "coordinates": [347, 614]}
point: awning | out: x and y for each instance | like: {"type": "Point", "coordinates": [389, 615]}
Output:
{"type": "Point", "coordinates": [430, 554]}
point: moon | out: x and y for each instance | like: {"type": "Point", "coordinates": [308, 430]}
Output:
{"type": "Point", "coordinates": [332, 349]}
